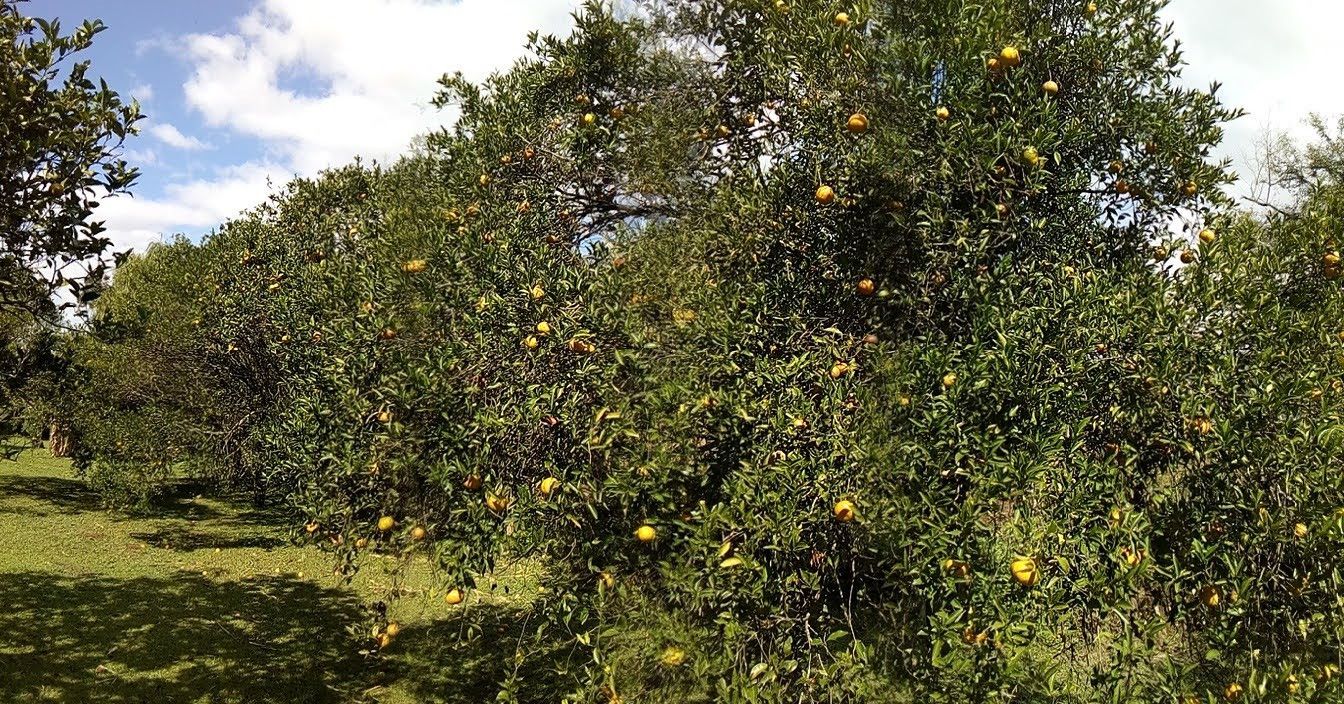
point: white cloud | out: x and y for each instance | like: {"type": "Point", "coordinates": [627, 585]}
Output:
{"type": "Point", "coordinates": [173, 137]}
{"type": "Point", "coordinates": [197, 205]}
{"type": "Point", "coordinates": [1278, 60]}
{"type": "Point", "coordinates": [372, 66]}
{"type": "Point", "coordinates": [141, 157]}
{"type": "Point", "coordinates": [142, 92]}
{"type": "Point", "coordinates": [368, 70]}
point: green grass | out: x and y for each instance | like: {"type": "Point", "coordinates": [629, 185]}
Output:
{"type": "Point", "coordinates": [205, 599]}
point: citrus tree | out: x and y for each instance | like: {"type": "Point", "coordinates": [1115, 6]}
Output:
{"type": "Point", "coordinates": [60, 144]}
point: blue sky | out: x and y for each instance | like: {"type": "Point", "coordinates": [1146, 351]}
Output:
{"type": "Point", "coordinates": [245, 92]}
{"type": "Point", "coordinates": [242, 95]}
{"type": "Point", "coordinates": [131, 55]}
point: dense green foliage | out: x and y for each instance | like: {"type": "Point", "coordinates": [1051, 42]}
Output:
{"type": "Point", "coordinates": [60, 139]}
{"type": "Point", "coordinates": [819, 356]}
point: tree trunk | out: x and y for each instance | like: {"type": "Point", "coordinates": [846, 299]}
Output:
{"type": "Point", "coordinates": [59, 441]}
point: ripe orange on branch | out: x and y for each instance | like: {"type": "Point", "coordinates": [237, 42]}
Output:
{"type": "Point", "coordinates": [1025, 571]}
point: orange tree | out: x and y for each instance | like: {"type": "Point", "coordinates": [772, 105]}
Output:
{"type": "Point", "coordinates": [820, 352]}
{"type": "Point", "coordinates": [185, 355]}
{"type": "Point", "coordinates": [60, 143]}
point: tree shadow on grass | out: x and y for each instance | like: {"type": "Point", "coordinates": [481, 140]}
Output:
{"type": "Point", "coordinates": [44, 495]}
{"type": "Point", "coordinates": [185, 639]}
{"type": "Point", "coordinates": [464, 660]}
{"type": "Point", "coordinates": [53, 494]}
{"type": "Point", "coordinates": [192, 639]}
{"type": "Point", "coordinates": [181, 539]}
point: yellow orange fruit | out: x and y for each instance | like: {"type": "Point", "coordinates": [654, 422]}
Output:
{"type": "Point", "coordinates": [943, 114]}
{"type": "Point", "coordinates": [825, 195]}
{"type": "Point", "coordinates": [453, 597]}
{"type": "Point", "coordinates": [1189, 188]}
{"type": "Point", "coordinates": [845, 510]}
{"type": "Point", "coordinates": [841, 19]}
{"type": "Point", "coordinates": [393, 628]}
{"type": "Point", "coordinates": [549, 485]}
{"type": "Point", "coordinates": [607, 580]}
{"type": "Point", "coordinates": [537, 292]}
{"type": "Point", "coordinates": [472, 482]}
{"type": "Point", "coordinates": [1090, 9]}
{"type": "Point", "coordinates": [387, 523]}
{"type": "Point", "coordinates": [1025, 571]}
{"type": "Point", "coordinates": [1232, 692]}
{"type": "Point", "coordinates": [497, 503]}
{"type": "Point", "coordinates": [1187, 256]}
{"type": "Point", "coordinates": [530, 342]}
{"type": "Point", "coordinates": [839, 369]}
{"type": "Point", "coordinates": [865, 287]}
{"type": "Point", "coordinates": [1300, 530]}
{"type": "Point", "coordinates": [672, 656]}
{"type": "Point", "coordinates": [646, 533]}
{"type": "Point", "coordinates": [1010, 56]}
{"type": "Point", "coordinates": [949, 380]}
{"type": "Point", "coordinates": [858, 123]}
{"type": "Point", "coordinates": [1031, 156]}
{"type": "Point", "coordinates": [543, 328]}
{"type": "Point", "coordinates": [415, 266]}
{"type": "Point", "coordinates": [957, 568]}
{"type": "Point", "coordinates": [1207, 236]}
{"type": "Point", "coordinates": [1210, 596]}
{"type": "Point", "coordinates": [588, 119]}
{"type": "Point", "coordinates": [418, 533]}
{"type": "Point", "coordinates": [1050, 87]}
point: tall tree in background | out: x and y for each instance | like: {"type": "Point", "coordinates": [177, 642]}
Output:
{"type": "Point", "coordinates": [60, 140]}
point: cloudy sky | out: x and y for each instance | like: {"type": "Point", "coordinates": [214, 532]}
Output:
{"type": "Point", "coordinates": [243, 94]}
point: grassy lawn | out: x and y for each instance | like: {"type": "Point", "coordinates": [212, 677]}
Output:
{"type": "Point", "coordinates": [203, 599]}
